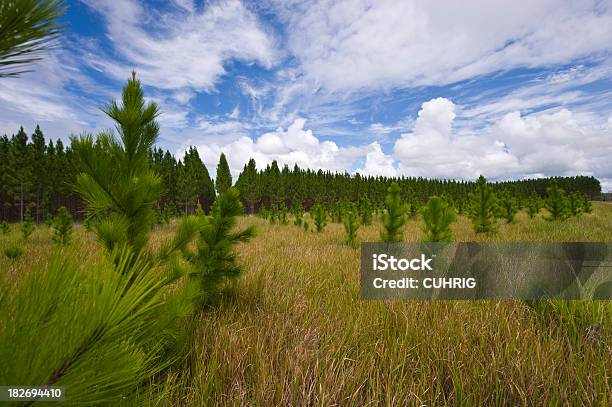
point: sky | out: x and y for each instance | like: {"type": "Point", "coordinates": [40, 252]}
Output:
{"type": "Point", "coordinates": [431, 88]}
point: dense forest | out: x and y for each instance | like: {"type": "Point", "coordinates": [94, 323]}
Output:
{"type": "Point", "coordinates": [37, 178]}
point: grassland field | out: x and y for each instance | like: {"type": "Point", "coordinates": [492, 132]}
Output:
{"type": "Point", "coordinates": [293, 330]}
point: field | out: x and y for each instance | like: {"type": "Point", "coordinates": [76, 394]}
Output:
{"type": "Point", "coordinates": [294, 331]}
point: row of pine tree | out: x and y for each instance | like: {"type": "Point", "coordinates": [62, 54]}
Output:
{"type": "Point", "coordinates": [38, 177]}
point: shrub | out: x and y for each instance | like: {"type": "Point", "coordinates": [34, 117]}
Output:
{"type": "Point", "coordinates": [438, 215]}
{"type": "Point", "coordinates": [62, 226]}
{"type": "Point", "coordinates": [556, 203]}
{"type": "Point", "coordinates": [306, 226]}
{"type": "Point", "coordinates": [13, 252]}
{"type": "Point", "coordinates": [319, 217]}
{"type": "Point", "coordinates": [350, 226]}
{"type": "Point", "coordinates": [394, 217]}
{"type": "Point", "coordinates": [214, 261]}
{"type": "Point", "coordinates": [4, 228]}
{"type": "Point", "coordinates": [482, 207]}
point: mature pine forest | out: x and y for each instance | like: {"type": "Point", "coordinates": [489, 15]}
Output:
{"type": "Point", "coordinates": [37, 178]}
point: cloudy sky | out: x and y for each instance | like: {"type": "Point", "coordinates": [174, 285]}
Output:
{"type": "Point", "coordinates": [432, 88]}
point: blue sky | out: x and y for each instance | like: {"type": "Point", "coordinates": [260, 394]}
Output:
{"type": "Point", "coordinates": [418, 88]}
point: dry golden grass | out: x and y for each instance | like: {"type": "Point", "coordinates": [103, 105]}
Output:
{"type": "Point", "coordinates": [294, 331]}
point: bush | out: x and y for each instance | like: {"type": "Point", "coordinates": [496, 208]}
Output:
{"type": "Point", "coordinates": [438, 215]}
{"type": "Point", "coordinates": [13, 252]}
{"type": "Point", "coordinates": [587, 207]}
{"type": "Point", "coordinates": [574, 203]}
{"type": "Point", "coordinates": [62, 226]}
{"type": "Point", "coordinates": [306, 226]}
{"type": "Point", "coordinates": [319, 217]}
{"type": "Point", "coordinates": [4, 228]}
{"type": "Point", "coordinates": [483, 207]}
{"type": "Point", "coordinates": [394, 218]}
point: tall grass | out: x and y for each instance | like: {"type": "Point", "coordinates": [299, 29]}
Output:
{"type": "Point", "coordinates": [294, 331]}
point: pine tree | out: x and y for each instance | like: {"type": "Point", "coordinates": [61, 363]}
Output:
{"type": "Point", "coordinates": [574, 203]}
{"type": "Point", "coordinates": [62, 226]}
{"type": "Point", "coordinates": [282, 214]}
{"type": "Point", "coordinates": [350, 227]}
{"type": "Point", "coordinates": [483, 206]}
{"type": "Point", "coordinates": [214, 262]}
{"type": "Point", "coordinates": [533, 206]}
{"type": "Point", "coordinates": [438, 215]}
{"type": "Point", "coordinates": [394, 217]}
{"type": "Point", "coordinates": [365, 211]}
{"type": "Point", "coordinates": [556, 203]}
{"type": "Point", "coordinates": [27, 226]}
{"type": "Point", "coordinates": [248, 185]}
{"type": "Point", "coordinates": [224, 176]}
{"type": "Point", "coordinates": [298, 213]}
{"type": "Point", "coordinates": [319, 217]}
{"type": "Point", "coordinates": [507, 207]}
{"type": "Point", "coordinates": [587, 207]}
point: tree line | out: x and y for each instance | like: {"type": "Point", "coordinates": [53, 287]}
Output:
{"type": "Point", "coordinates": [38, 177]}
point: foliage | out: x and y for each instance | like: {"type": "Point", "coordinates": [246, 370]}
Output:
{"type": "Point", "coordinates": [27, 28]}
{"type": "Point", "coordinates": [4, 228]}
{"type": "Point", "coordinates": [282, 214]}
{"type": "Point", "coordinates": [100, 324]}
{"type": "Point", "coordinates": [587, 207]}
{"type": "Point", "coordinates": [351, 225]}
{"type": "Point", "coordinates": [27, 226]}
{"type": "Point", "coordinates": [224, 176]}
{"type": "Point", "coordinates": [306, 226]}
{"type": "Point", "coordinates": [365, 211]}
{"type": "Point", "coordinates": [533, 206]}
{"type": "Point", "coordinates": [574, 203]}
{"type": "Point", "coordinates": [13, 252]}
{"type": "Point", "coordinates": [117, 184]}
{"type": "Point", "coordinates": [438, 215]}
{"type": "Point", "coordinates": [298, 214]}
{"type": "Point", "coordinates": [320, 217]}
{"type": "Point", "coordinates": [482, 207]}
{"type": "Point", "coordinates": [556, 203]}
{"type": "Point", "coordinates": [508, 206]}
{"type": "Point", "coordinates": [214, 261]}
{"type": "Point", "coordinates": [62, 226]}
{"type": "Point", "coordinates": [394, 217]}
{"type": "Point", "coordinates": [248, 185]}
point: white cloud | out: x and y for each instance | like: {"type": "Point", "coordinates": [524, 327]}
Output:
{"type": "Point", "coordinates": [292, 146]}
{"type": "Point", "coordinates": [378, 163]}
{"type": "Point", "coordinates": [183, 49]}
{"type": "Point", "coordinates": [358, 44]}
{"type": "Point", "coordinates": [514, 147]}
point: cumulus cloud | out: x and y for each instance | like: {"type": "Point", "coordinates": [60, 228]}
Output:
{"type": "Point", "coordinates": [514, 147]}
{"type": "Point", "coordinates": [384, 43]}
{"type": "Point", "coordinates": [295, 145]}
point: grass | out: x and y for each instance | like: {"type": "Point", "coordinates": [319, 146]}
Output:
{"type": "Point", "coordinates": [294, 331]}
